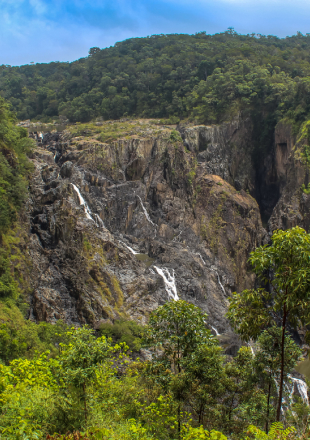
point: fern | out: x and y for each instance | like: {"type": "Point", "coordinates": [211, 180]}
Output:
{"type": "Point", "coordinates": [277, 432]}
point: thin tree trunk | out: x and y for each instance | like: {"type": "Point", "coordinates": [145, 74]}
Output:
{"type": "Point", "coordinates": [85, 406]}
{"type": "Point", "coordinates": [268, 402]}
{"type": "Point", "coordinates": [200, 417]}
{"type": "Point", "coordinates": [282, 364]}
{"type": "Point", "coordinates": [179, 371]}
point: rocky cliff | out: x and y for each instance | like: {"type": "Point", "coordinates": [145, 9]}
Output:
{"type": "Point", "coordinates": [125, 215]}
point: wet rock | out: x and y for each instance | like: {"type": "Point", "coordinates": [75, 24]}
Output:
{"type": "Point", "coordinates": [66, 170]}
{"type": "Point", "coordinates": [181, 209]}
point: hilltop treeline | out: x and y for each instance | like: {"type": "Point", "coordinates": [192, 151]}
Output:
{"type": "Point", "coordinates": [205, 77]}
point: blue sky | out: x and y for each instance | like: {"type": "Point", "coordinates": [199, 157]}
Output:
{"type": "Point", "coordinates": [63, 30]}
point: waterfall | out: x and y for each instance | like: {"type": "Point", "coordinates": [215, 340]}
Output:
{"type": "Point", "coordinates": [146, 213]}
{"type": "Point", "coordinates": [199, 255]}
{"type": "Point", "coordinates": [251, 349]}
{"type": "Point", "coordinates": [219, 281]}
{"type": "Point", "coordinates": [86, 208]}
{"type": "Point", "coordinates": [128, 247]}
{"type": "Point", "coordinates": [215, 330]}
{"type": "Point", "coordinates": [83, 203]}
{"type": "Point", "coordinates": [99, 221]}
{"type": "Point", "coordinates": [302, 389]}
{"type": "Point", "coordinates": [152, 272]}
{"type": "Point", "coordinates": [221, 285]}
{"type": "Point", "coordinates": [169, 281]}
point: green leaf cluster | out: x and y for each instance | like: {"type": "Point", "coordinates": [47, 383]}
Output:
{"type": "Point", "coordinates": [14, 167]}
{"type": "Point", "coordinates": [90, 389]}
{"type": "Point", "coordinates": [125, 331]}
{"type": "Point", "coordinates": [209, 77]}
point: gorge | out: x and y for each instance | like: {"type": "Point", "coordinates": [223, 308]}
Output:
{"type": "Point", "coordinates": [158, 212]}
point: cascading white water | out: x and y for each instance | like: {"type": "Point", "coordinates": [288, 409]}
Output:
{"type": "Point", "coordinates": [219, 281]}
{"type": "Point", "coordinates": [215, 330]}
{"type": "Point", "coordinates": [99, 221]}
{"type": "Point", "coordinates": [87, 210]}
{"type": "Point", "coordinates": [277, 387]}
{"type": "Point", "coordinates": [169, 281]}
{"type": "Point", "coordinates": [221, 285]}
{"type": "Point", "coordinates": [146, 213]}
{"type": "Point", "coordinates": [302, 389]}
{"type": "Point", "coordinates": [128, 247]}
{"type": "Point", "coordinates": [83, 203]}
{"type": "Point", "coordinates": [251, 349]}
{"type": "Point", "coordinates": [199, 255]}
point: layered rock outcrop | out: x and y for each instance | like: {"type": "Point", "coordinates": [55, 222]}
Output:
{"type": "Point", "coordinates": [118, 226]}
{"type": "Point", "coordinates": [292, 172]}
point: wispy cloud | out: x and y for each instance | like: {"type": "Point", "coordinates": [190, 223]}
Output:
{"type": "Point", "coordinates": [45, 30]}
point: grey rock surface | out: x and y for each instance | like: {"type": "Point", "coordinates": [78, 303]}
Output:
{"type": "Point", "coordinates": [104, 217]}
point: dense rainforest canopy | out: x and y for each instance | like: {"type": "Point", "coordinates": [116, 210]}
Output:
{"type": "Point", "coordinates": [204, 77]}
{"type": "Point", "coordinates": [57, 379]}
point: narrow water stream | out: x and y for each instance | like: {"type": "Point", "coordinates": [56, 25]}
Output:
{"type": "Point", "coordinates": [169, 280]}
{"type": "Point", "coordinates": [86, 208]}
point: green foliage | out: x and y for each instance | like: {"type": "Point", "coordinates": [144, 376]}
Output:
{"type": "Point", "coordinates": [79, 360]}
{"type": "Point", "coordinates": [267, 364]}
{"type": "Point", "coordinates": [277, 431]}
{"type": "Point", "coordinates": [80, 357]}
{"type": "Point", "coordinates": [243, 400]}
{"type": "Point", "coordinates": [253, 311]}
{"type": "Point", "coordinates": [160, 415]}
{"type": "Point", "coordinates": [125, 331]}
{"type": "Point", "coordinates": [175, 136]}
{"type": "Point", "coordinates": [91, 390]}
{"type": "Point", "coordinates": [305, 190]}
{"type": "Point", "coordinates": [186, 357]}
{"type": "Point", "coordinates": [14, 168]}
{"type": "Point", "coordinates": [24, 338]}
{"type": "Point", "coordinates": [190, 433]}
{"type": "Point", "coordinates": [288, 257]}
{"type": "Point", "coordinates": [207, 77]}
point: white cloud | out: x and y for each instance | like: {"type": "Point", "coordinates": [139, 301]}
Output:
{"type": "Point", "coordinates": [38, 6]}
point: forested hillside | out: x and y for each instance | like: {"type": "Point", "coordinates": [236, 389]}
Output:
{"type": "Point", "coordinates": [154, 263]}
{"type": "Point", "coordinates": [206, 77]}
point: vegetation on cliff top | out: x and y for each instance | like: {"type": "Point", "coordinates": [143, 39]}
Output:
{"type": "Point", "coordinates": [207, 77]}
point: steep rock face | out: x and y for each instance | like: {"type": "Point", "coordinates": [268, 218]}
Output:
{"type": "Point", "coordinates": [292, 171]}
{"type": "Point", "coordinates": [225, 150]}
{"type": "Point", "coordinates": [119, 227]}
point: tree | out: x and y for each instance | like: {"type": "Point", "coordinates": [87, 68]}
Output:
{"type": "Point", "coordinates": [186, 357]}
{"type": "Point", "coordinates": [284, 301]}
{"type": "Point", "coordinates": [80, 358]}
{"type": "Point", "coordinates": [267, 361]}
{"type": "Point", "coordinates": [242, 401]}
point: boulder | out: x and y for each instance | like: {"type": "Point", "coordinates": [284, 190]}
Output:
{"type": "Point", "coordinates": [66, 170]}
